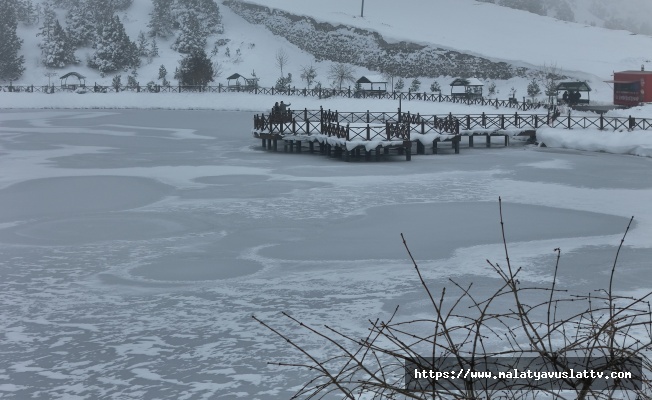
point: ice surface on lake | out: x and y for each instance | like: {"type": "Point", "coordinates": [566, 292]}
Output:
{"type": "Point", "coordinates": [136, 245]}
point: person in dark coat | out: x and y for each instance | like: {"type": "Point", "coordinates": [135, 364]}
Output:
{"type": "Point", "coordinates": [276, 109]}
{"type": "Point", "coordinates": [565, 96]}
{"type": "Point", "coordinates": [284, 107]}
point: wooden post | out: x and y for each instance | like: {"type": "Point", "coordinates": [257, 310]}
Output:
{"type": "Point", "coordinates": [434, 146]}
{"type": "Point", "coordinates": [601, 122]}
{"type": "Point", "coordinates": [368, 128]}
{"type": "Point", "coordinates": [488, 140]}
{"type": "Point", "coordinates": [471, 139]}
{"type": "Point", "coordinates": [502, 121]}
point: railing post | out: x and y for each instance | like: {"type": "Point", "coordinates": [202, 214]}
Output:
{"type": "Point", "coordinates": [468, 122]}
{"type": "Point", "coordinates": [601, 122]}
{"type": "Point", "coordinates": [502, 121]}
{"type": "Point", "coordinates": [516, 120]}
{"type": "Point", "coordinates": [568, 124]}
{"type": "Point", "coordinates": [484, 120]}
{"type": "Point", "coordinates": [632, 123]}
{"type": "Point", "coordinates": [367, 116]}
{"type": "Point", "coordinates": [347, 135]}
{"type": "Point", "coordinates": [368, 132]}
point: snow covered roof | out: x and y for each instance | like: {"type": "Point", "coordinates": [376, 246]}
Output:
{"type": "Point", "coordinates": [372, 79]}
{"type": "Point", "coordinates": [75, 74]}
{"type": "Point", "coordinates": [579, 86]}
{"type": "Point", "coordinates": [467, 82]}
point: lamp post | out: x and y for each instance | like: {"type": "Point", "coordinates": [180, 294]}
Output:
{"type": "Point", "coordinates": [362, 10]}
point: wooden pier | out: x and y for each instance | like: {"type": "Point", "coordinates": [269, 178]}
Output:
{"type": "Point", "coordinates": [371, 135]}
{"type": "Point", "coordinates": [354, 134]}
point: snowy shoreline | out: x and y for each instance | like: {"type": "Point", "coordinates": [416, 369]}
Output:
{"type": "Point", "coordinates": [637, 143]}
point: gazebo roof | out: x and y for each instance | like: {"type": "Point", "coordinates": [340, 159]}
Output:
{"type": "Point", "coordinates": [467, 82]}
{"type": "Point", "coordinates": [75, 74]}
{"type": "Point", "coordinates": [235, 76]}
{"type": "Point", "coordinates": [578, 86]}
{"type": "Point", "coordinates": [372, 79]}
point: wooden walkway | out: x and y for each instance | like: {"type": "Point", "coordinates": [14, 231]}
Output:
{"type": "Point", "coordinates": [354, 134]}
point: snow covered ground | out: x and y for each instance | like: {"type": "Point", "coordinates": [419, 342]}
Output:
{"type": "Point", "coordinates": [136, 244]}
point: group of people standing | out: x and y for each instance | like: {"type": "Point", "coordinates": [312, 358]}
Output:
{"type": "Point", "coordinates": [572, 97]}
{"type": "Point", "coordinates": [280, 109]}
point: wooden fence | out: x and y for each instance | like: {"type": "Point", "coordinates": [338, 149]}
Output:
{"type": "Point", "coordinates": [478, 122]}
{"type": "Point", "coordinates": [320, 93]}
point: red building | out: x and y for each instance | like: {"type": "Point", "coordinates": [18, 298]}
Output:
{"type": "Point", "coordinates": [632, 87]}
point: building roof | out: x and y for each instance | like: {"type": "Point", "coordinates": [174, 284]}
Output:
{"type": "Point", "coordinates": [75, 74]}
{"type": "Point", "coordinates": [579, 86]}
{"type": "Point", "coordinates": [372, 79]}
{"type": "Point", "coordinates": [634, 72]}
{"type": "Point", "coordinates": [467, 82]}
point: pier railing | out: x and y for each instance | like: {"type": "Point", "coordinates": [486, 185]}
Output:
{"type": "Point", "coordinates": [468, 122]}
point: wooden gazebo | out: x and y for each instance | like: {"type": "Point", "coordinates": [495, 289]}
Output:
{"type": "Point", "coordinates": [470, 88]}
{"type": "Point", "coordinates": [81, 81]}
{"type": "Point", "coordinates": [241, 82]}
{"type": "Point", "coordinates": [573, 87]}
{"type": "Point", "coordinates": [377, 84]}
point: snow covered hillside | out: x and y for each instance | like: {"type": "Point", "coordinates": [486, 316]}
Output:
{"type": "Point", "coordinates": [519, 40]}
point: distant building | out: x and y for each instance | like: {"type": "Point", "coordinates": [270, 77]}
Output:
{"type": "Point", "coordinates": [469, 88]}
{"type": "Point", "coordinates": [630, 87]}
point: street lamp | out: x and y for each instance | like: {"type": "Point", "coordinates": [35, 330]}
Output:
{"type": "Point", "coordinates": [362, 10]}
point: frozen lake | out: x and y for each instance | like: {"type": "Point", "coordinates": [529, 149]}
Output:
{"type": "Point", "coordinates": [136, 245]}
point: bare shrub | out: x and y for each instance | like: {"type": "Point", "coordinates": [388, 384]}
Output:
{"type": "Point", "coordinates": [515, 322]}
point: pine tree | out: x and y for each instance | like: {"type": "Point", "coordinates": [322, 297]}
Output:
{"type": "Point", "coordinates": [143, 45]}
{"type": "Point", "coordinates": [212, 19]}
{"type": "Point", "coordinates": [117, 82]}
{"type": "Point", "coordinates": [79, 25]}
{"type": "Point", "coordinates": [191, 36]}
{"type": "Point", "coordinates": [533, 89]}
{"type": "Point", "coordinates": [102, 11]}
{"type": "Point", "coordinates": [434, 87]}
{"type": "Point", "coordinates": [161, 21]}
{"type": "Point", "coordinates": [26, 12]}
{"type": "Point", "coordinates": [57, 50]}
{"type": "Point", "coordinates": [49, 16]}
{"type": "Point", "coordinates": [11, 64]}
{"type": "Point", "coordinates": [153, 50]}
{"type": "Point", "coordinates": [162, 72]}
{"type": "Point", "coordinates": [415, 85]}
{"type": "Point", "coordinates": [113, 49]}
{"type": "Point", "coordinates": [399, 84]}
{"type": "Point", "coordinates": [195, 69]}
